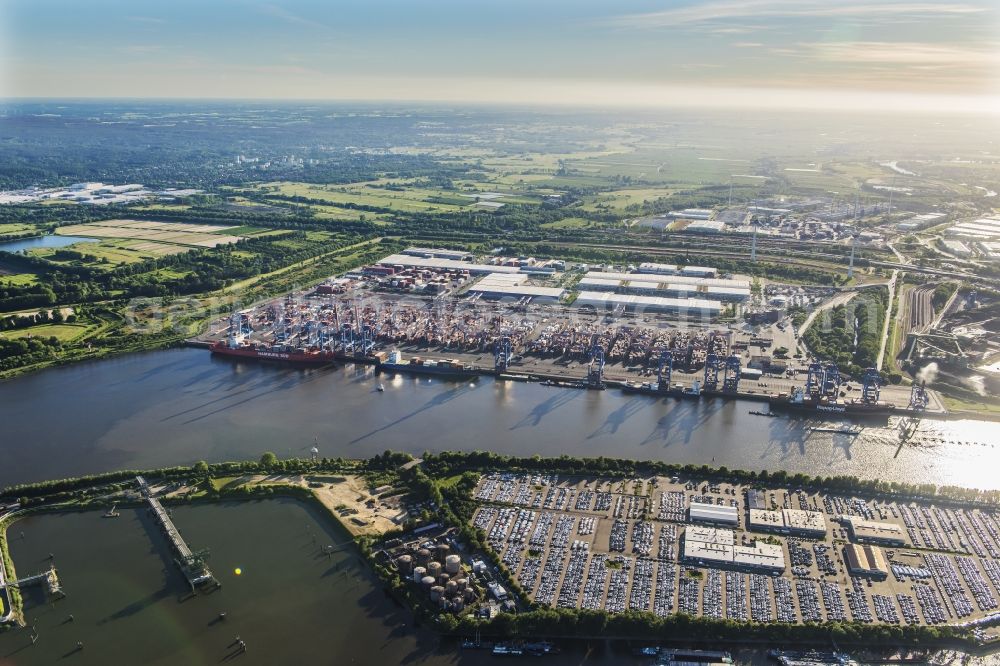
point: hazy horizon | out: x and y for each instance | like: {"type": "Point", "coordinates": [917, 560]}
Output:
{"type": "Point", "coordinates": [898, 55]}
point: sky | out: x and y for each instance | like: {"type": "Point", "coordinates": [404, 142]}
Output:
{"type": "Point", "coordinates": [928, 55]}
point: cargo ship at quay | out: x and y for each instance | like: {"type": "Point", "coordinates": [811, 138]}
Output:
{"type": "Point", "coordinates": [419, 366]}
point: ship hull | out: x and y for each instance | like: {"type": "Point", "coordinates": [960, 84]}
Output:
{"type": "Point", "coordinates": [298, 358]}
{"type": "Point", "coordinates": [857, 412]}
{"type": "Point", "coordinates": [429, 370]}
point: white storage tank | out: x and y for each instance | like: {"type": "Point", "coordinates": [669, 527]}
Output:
{"type": "Point", "coordinates": [418, 574]}
{"type": "Point", "coordinates": [452, 564]}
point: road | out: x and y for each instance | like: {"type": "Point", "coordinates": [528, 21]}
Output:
{"type": "Point", "coordinates": [888, 317]}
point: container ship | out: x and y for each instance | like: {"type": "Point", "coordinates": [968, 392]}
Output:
{"type": "Point", "coordinates": [801, 403]}
{"type": "Point", "coordinates": [654, 388]}
{"type": "Point", "coordinates": [419, 366]}
{"type": "Point", "coordinates": [277, 353]}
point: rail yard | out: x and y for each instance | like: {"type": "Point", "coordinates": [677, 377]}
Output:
{"type": "Point", "coordinates": [727, 551]}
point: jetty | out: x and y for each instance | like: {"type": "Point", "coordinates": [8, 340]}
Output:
{"type": "Point", "coordinates": [191, 563]}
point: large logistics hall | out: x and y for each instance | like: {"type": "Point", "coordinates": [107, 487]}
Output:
{"type": "Point", "coordinates": [708, 546]}
{"type": "Point", "coordinates": [659, 304]}
{"type": "Point", "coordinates": [683, 286]}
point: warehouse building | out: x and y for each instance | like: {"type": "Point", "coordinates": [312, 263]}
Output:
{"type": "Point", "coordinates": [865, 560]}
{"type": "Point", "coordinates": [427, 253]}
{"type": "Point", "coordinates": [437, 263]}
{"type": "Point", "coordinates": [712, 547]}
{"type": "Point", "coordinates": [698, 271]}
{"type": "Point", "coordinates": [658, 269]}
{"type": "Point", "coordinates": [713, 513]}
{"type": "Point", "coordinates": [693, 307]}
{"type": "Point", "coordinates": [873, 531]}
{"type": "Point", "coordinates": [506, 285]}
{"type": "Point", "coordinates": [672, 279]}
{"type": "Point", "coordinates": [788, 521]}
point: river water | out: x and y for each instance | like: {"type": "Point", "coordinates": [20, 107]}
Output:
{"type": "Point", "coordinates": [179, 406]}
{"type": "Point", "coordinates": [291, 604]}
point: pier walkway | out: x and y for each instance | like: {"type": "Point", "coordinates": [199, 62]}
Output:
{"type": "Point", "coordinates": [191, 564]}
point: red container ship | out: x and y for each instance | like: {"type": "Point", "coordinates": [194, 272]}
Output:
{"type": "Point", "coordinates": [276, 353]}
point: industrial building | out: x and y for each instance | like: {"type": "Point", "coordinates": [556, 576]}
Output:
{"type": "Point", "coordinates": [696, 307]}
{"type": "Point", "coordinates": [513, 285]}
{"type": "Point", "coordinates": [672, 269]}
{"type": "Point", "coordinates": [672, 288]}
{"type": "Point", "coordinates": [788, 521]}
{"type": "Point", "coordinates": [437, 263]}
{"type": "Point", "coordinates": [692, 214]}
{"type": "Point", "coordinates": [706, 227]}
{"type": "Point", "coordinates": [682, 285]}
{"type": "Point", "coordinates": [657, 269]}
{"type": "Point", "coordinates": [713, 513]}
{"type": "Point", "coordinates": [705, 546]}
{"type": "Point", "coordinates": [427, 253]}
{"type": "Point", "coordinates": [873, 531]}
{"type": "Point", "coordinates": [866, 560]}
{"type": "Point", "coordinates": [983, 229]}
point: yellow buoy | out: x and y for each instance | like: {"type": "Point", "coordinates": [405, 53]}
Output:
{"type": "Point", "coordinates": [238, 571]}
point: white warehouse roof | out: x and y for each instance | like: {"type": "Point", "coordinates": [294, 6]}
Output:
{"type": "Point", "coordinates": [520, 290]}
{"type": "Point", "coordinates": [599, 283]}
{"type": "Point", "coordinates": [606, 300]}
{"type": "Point", "coordinates": [444, 264]}
{"type": "Point", "coordinates": [714, 513]}
{"type": "Point", "coordinates": [651, 267]}
{"type": "Point", "coordinates": [672, 279]}
{"type": "Point", "coordinates": [714, 546]}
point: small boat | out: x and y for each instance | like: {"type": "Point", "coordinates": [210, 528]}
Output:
{"type": "Point", "coordinates": [112, 512]}
{"type": "Point", "coordinates": [381, 388]}
{"type": "Point", "coordinates": [756, 412]}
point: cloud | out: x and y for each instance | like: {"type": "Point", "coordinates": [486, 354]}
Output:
{"type": "Point", "coordinates": [747, 45]}
{"type": "Point", "coordinates": [728, 10]}
{"type": "Point", "coordinates": [294, 19]}
{"type": "Point", "coordinates": [903, 53]}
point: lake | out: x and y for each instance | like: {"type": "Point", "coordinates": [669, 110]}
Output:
{"type": "Point", "coordinates": [52, 240]}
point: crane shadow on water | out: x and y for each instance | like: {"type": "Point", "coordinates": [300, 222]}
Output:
{"type": "Point", "coordinates": [619, 417]}
{"type": "Point", "coordinates": [681, 418]}
{"type": "Point", "coordinates": [560, 398]}
{"type": "Point", "coordinates": [442, 398]}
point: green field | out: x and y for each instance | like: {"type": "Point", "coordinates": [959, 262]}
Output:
{"type": "Point", "coordinates": [63, 332]}
{"type": "Point", "coordinates": [15, 228]}
{"type": "Point", "coordinates": [116, 252]}
{"type": "Point", "coordinates": [411, 199]}
{"type": "Point", "coordinates": [568, 223]}
{"type": "Point", "coordinates": [19, 279]}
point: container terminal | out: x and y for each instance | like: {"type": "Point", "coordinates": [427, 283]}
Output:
{"type": "Point", "coordinates": [654, 329]}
